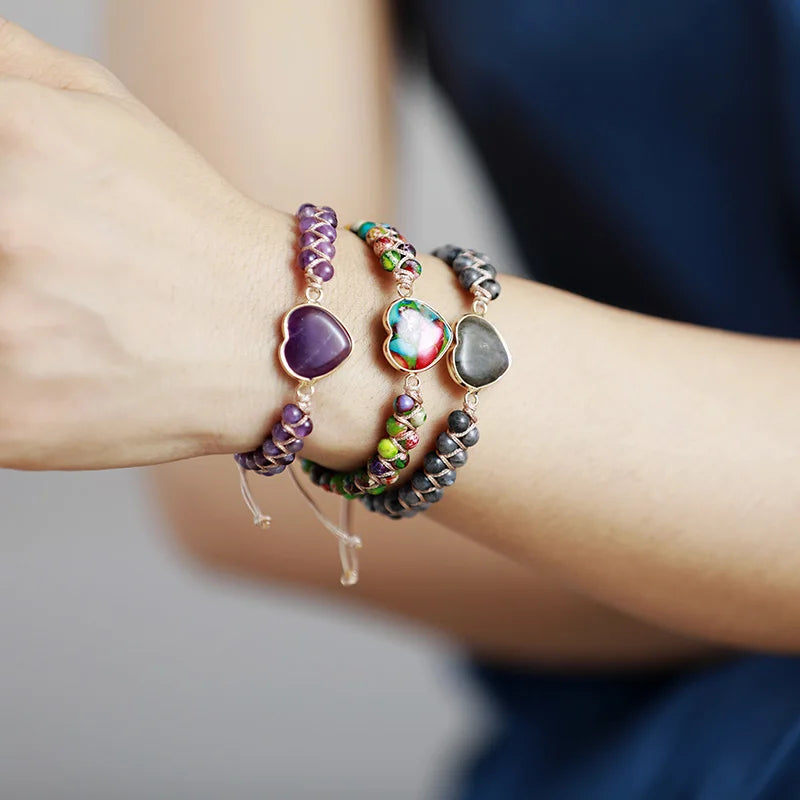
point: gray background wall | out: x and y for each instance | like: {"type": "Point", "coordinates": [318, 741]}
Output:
{"type": "Point", "coordinates": [127, 674]}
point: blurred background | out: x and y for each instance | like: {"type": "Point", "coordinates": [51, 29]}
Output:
{"type": "Point", "coordinates": [128, 672]}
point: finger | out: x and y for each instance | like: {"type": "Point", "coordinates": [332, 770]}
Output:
{"type": "Point", "coordinates": [24, 55]}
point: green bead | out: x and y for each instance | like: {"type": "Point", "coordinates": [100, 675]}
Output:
{"type": "Point", "coordinates": [401, 462]}
{"type": "Point", "coordinates": [376, 490]}
{"type": "Point", "coordinates": [393, 427]}
{"type": "Point", "coordinates": [364, 227]}
{"type": "Point", "coordinates": [387, 449]}
{"type": "Point", "coordinates": [418, 417]}
{"type": "Point", "coordinates": [390, 259]}
{"type": "Point", "coordinates": [306, 464]}
{"type": "Point", "coordinates": [337, 482]}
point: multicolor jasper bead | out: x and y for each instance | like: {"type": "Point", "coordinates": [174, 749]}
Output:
{"type": "Point", "coordinates": [439, 471]}
{"type": "Point", "coordinates": [393, 250]}
{"type": "Point", "coordinates": [384, 467]}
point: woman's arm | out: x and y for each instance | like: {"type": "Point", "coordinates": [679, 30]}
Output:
{"type": "Point", "coordinates": [207, 73]}
{"type": "Point", "coordinates": [655, 465]}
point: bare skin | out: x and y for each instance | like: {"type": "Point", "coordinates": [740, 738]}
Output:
{"type": "Point", "coordinates": [657, 466]}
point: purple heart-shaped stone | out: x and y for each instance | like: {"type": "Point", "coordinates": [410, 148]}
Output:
{"type": "Point", "coordinates": [314, 342]}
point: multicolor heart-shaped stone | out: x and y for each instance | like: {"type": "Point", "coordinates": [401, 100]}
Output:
{"type": "Point", "coordinates": [418, 335]}
{"type": "Point", "coordinates": [480, 356]}
{"type": "Point", "coordinates": [314, 343]}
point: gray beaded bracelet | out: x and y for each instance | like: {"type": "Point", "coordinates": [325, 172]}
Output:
{"type": "Point", "coordinates": [479, 358]}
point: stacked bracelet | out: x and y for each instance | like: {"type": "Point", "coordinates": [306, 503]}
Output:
{"type": "Point", "coordinates": [479, 359]}
{"type": "Point", "coordinates": [418, 337]}
{"type": "Point", "coordinates": [314, 344]}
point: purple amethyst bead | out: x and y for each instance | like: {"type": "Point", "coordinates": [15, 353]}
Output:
{"type": "Point", "coordinates": [275, 470]}
{"type": "Point", "coordinates": [326, 232]}
{"type": "Point", "coordinates": [307, 258]}
{"type": "Point", "coordinates": [326, 248]}
{"type": "Point", "coordinates": [319, 230]}
{"type": "Point", "coordinates": [404, 403]}
{"type": "Point", "coordinates": [270, 449]}
{"type": "Point", "coordinates": [323, 270]}
{"type": "Point", "coordinates": [307, 239]}
{"type": "Point", "coordinates": [249, 461]}
{"type": "Point", "coordinates": [279, 433]}
{"type": "Point", "coordinates": [261, 460]}
{"type": "Point", "coordinates": [295, 446]}
{"type": "Point", "coordinates": [306, 210]}
{"type": "Point", "coordinates": [292, 414]}
{"type": "Point", "coordinates": [303, 429]}
{"type": "Point", "coordinates": [329, 215]}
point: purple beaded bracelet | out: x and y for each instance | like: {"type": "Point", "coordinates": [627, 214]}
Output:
{"type": "Point", "coordinates": [314, 344]}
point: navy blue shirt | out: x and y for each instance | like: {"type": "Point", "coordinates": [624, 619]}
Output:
{"type": "Point", "coordinates": [647, 155]}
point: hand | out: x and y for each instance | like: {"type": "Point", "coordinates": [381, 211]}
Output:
{"type": "Point", "coordinates": [132, 320]}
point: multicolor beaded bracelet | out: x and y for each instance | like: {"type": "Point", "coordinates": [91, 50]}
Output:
{"type": "Point", "coordinates": [479, 359]}
{"type": "Point", "coordinates": [315, 343]}
{"type": "Point", "coordinates": [418, 336]}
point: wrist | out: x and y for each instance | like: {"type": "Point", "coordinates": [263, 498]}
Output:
{"type": "Point", "coordinates": [255, 268]}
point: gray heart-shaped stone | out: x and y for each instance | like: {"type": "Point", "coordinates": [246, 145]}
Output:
{"type": "Point", "coordinates": [480, 356]}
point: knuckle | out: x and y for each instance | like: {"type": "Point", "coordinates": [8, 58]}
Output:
{"type": "Point", "coordinates": [95, 77]}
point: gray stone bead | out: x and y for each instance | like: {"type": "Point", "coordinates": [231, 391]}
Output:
{"type": "Point", "coordinates": [471, 437]}
{"type": "Point", "coordinates": [407, 495]}
{"type": "Point", "coordinates": [458, 459]}
{"type": "Point", "coordinates": [380, 505]}
{"type": "Point", "coordinates": [421, 481]}
{"type": "Point", "coordinates": [435, 496]}
{"type": "Point", "coordinates": [493, 287]}
{"type": "Point", "coordinates": [448, 478]}
{"type": "Point", "coordinates": [490, 268]}
{"type": "Point", "coordinates": [447, 253]}
{"type": "Point", "coordinates": [468, 276]}
{"type": "Point", "coordinates": [458, 421]}
{"type": "Point", "coordinates": [434, 464]}
{"type": "Point", "coordinates": [462, 261]}
{"type": "Point", "coordinates": [446, 444]}
{"type": "Point", "coordinates": [392, 505]}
